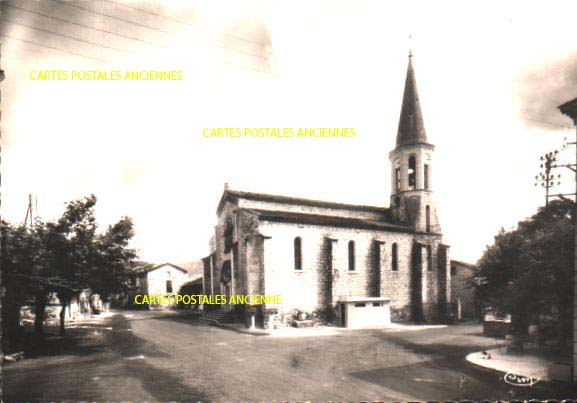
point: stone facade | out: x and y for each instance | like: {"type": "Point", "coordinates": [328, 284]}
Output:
{"type": "Point", "coordinates": [254, 253]}
{"type": "Point", "coordinates": [314, 253]}
{"type": "Point", "coordinates": [462, 275]}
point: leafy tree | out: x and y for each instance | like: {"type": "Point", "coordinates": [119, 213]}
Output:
{"type": "Point", "coordinates": [114, 257]}
{"type": "Point", "coordinates": [66, 257]}
{"type": "Point", "coordinates": [23, 275]}
{"type": "Point", "coordinates": [72, 248]}
{"type": "Point", "coordinates": [528, 271]}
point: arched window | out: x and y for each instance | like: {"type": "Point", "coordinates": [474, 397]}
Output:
{"type": "Point", "coordinates": [428, 218]}
{"type": "Point", "coordinates": [429, 258]}
{"type": "Point", "coordinates": [394, 258]}
{"type": "Point", "coordinates": [351, 255]}
{"type": "Point", "coordinates": [298, 253]}
{"type": "Point", "coordinates": [412, 172]}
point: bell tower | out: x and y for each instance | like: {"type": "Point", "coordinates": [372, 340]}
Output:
{"type": "Point", "coordinates": [411, 165]}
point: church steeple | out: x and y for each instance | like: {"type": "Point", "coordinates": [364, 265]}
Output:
{"type": "Point", "coordinates": [411, 162]}
{"type": "Point", "coordinates": [411, 127]}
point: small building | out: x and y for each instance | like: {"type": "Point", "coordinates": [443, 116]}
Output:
{"type": "Point", "coordinates": [364, 312]}
{"type": "Point", "coordinates": [165, 279]}
{"type": "Point", "coordinates": [462, 277]}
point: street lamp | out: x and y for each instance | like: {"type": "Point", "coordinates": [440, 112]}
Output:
{"type": "Point", "coordinates": [570, 109]}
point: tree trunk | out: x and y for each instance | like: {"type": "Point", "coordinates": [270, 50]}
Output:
{"type": "Point", "coordinates": [520, 321]}
{"type": "Point", "coordinates": [564, 335]}
{"type": "Point", "coordinates": [519, 329]}
{"type": "Point", "coordinates": [40, 308]}
{"type": "Point", "coordinates": [10, 321]}
{"type": "Point", "coordinates": [63, 303]}
{"type": "Point", "coordinates": [89, 302]}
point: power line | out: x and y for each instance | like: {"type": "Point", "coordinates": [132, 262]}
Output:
{"type": "Point", "coordinates": [84, 26]}
{"type": "Point", "coordinates": [182, 22]}
{"type": "Point", "coordinates": [54, 48]}
{"type": "Point", "coordinates": [105, 61]}
{"type": "Point", "coordinates": [117, 34]}
{"type": "Point", "coordinates": [101, 30]}
{"type": "Point", "coordinates": [528, 112]}
{"type": "Point", "coordinates": [112, 17]}
{"type": "Point", "coordinates": [151, 28]}
{"type": "Point", "coordinates": [64, 36]}
{"type": "Point", "coordinates": [551, 124]}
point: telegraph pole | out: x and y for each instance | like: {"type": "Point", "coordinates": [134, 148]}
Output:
{"type": "Point", "coordinates": [547, 179]}
{"type": "Point", "coordinates": [29, 212]}
{"type": "Point", "coordinates": [570, 109]}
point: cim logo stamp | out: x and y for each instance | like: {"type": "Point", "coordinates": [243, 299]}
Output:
{"type": "Point", "coordinates": [519, 380]}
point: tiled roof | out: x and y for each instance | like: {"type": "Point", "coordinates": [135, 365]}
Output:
{"type": "Point", "coordinates": [464, 264]}
{"type": "Point", "coordinates": [235, 194]}
{"type": "Point", "coordinates": [165, 264]}
{"type": "Point", "coordinates": [324, 220]}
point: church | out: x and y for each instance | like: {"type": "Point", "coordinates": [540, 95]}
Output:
{"type": "Point", "coordinates": [347, 264]}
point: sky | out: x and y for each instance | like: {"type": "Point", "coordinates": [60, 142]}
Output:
{"type": "Point", "coordinates": [490, 76]}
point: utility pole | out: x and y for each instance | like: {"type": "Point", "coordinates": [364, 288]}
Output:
{"type": "Point", "coordinates": [547, 179]}
{"type": "Point", "coordinates": [29, 212]}
{"type": "Point", "coordinates": [570, 109]}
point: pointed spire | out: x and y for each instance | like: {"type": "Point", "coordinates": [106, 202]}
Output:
{"type": "Point", "coordinates": [411, 127]}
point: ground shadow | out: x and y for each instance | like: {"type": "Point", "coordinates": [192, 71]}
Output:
{"type": "Point", "coordinates": [445, 364]}
{"type": "Point", "coordinates": [158, 383]}
{"type": "Point", "coordinates": [76, 341]}
{"type": "Point", "coordinates": [112, 361]}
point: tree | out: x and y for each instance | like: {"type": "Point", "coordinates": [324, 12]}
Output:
{"type": "Point", "coordinates": [86, 260]}
{"type": "Point", "coordinates": [528, 271]}
{"type": "Point", "coordinates": [114, 257]}
{"type": "Point", "coordinates": [66, 257]}
{"type": "Point", "coordinates": [22, 270]}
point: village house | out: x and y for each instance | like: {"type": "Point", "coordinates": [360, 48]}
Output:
{"type": "Point", "coordinates": [353, 265]}
{"type": "Point", "coordinates": [165, 279]}
{"type": "Point", "coordinates": [463, 294]}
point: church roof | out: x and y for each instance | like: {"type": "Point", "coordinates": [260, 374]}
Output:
{"type": "Point", "coordinates": [324, 220]}
{"type": "Point", "coordinates": [233, 195]}
{"type": "Point", "coordinates": [411, 127]}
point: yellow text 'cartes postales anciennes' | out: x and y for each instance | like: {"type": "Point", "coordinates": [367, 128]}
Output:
{"type": "Point", "coordinates": [202, 299]}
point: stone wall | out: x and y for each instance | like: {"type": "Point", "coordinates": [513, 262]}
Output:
{"type": "Point", "coordinates": [461, 276]}
{"type": "Point", "coordinates": [265, 264]}
{"type": "Point", "coordinates": [325, 275]}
